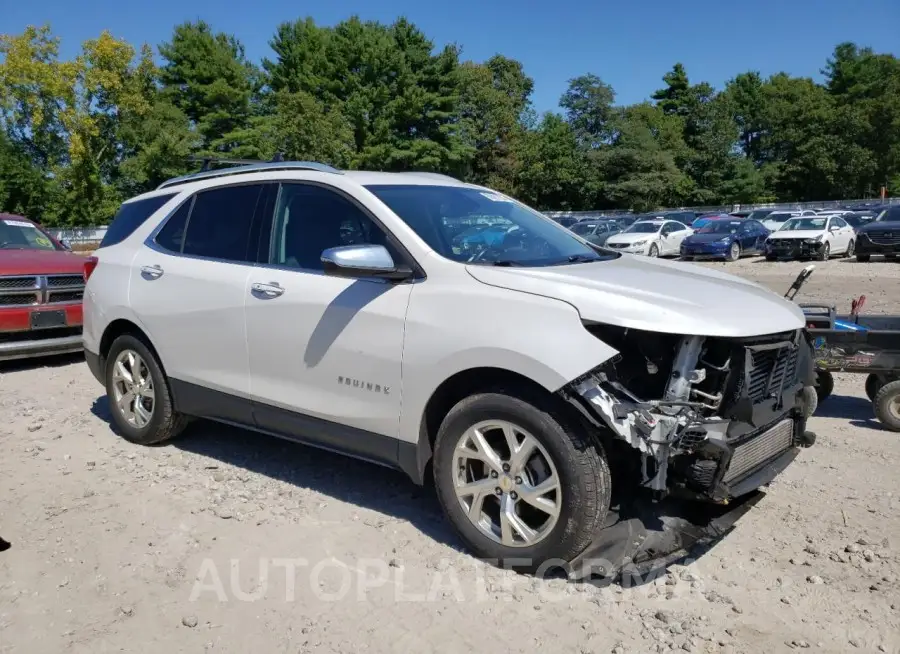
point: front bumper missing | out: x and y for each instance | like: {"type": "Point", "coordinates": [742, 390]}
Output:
{"type": "Point", "coordinates": [644, 536]}
{"type": "Point", "coordinates": [792, 250]}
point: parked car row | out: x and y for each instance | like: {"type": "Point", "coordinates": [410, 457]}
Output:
{"type": "Point", "coordinates": [805, 234]}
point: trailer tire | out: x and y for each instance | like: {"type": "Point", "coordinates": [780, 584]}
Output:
{"type": "Point", "coordinates": [824, 384]}
{"type": "Point", "coordinates": [887, 405]}
{"type": "Point", "coordinates": [873, 385]}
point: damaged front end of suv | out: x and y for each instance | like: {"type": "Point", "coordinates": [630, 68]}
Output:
{"type": "Point", "coordinates": [708, 419]}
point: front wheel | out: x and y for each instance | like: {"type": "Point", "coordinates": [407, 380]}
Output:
{"type": "Point", "coordinates": [734, 252]}
{"type": "Point", "coordinates": [873, 384]}
{"type": "Point", "coordinates": [654, 251]}
{"type": "Point", "coordinates": [520, 485]}
{"type": "Point", "coordinates": [863, 258]}
{"type": "Point", "coordinates": [825, 252]}
{"type": "Point", "coordinates": [138, 392]}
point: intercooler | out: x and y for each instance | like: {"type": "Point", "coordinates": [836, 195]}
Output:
{"type": "Point", "coordinates": [759, 449]}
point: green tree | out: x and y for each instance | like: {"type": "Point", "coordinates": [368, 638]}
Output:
{"type": "Point", "coordinates": [639, 169]}
{"type": "Point", "coordinates": [494, 100]}
{"type": "Point", "coordinates": [588, 103]}
{"type": "Point", "coordinates": [208, 77]}
{"type": "Point", "coordinates": [552, 170]}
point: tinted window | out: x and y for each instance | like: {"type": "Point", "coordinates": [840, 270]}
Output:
{"type": "Point", "coordinates": [219, 224]}
{"type": "Point", "coordinates": [132, 215]}
{"type": "Point", "coordinates": [171, 236]}
{"type": "Point", "coordinates": [310, 219]}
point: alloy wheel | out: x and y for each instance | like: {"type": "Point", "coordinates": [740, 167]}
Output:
{"type": "Point", "coordinates": [133, 392]}
{"type": "Point", "coordinates": [506, 483]}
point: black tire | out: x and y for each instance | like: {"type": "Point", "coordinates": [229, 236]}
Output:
{"type": "Point", "coordinates": [873, 385]}
{"type": "Point", "coordinates": [887, 405]}
{"type": "Point", "coordinates": [654, 250]}
{"type": "Point", "coordinates": [687, 258]}
{"type": "Point", "coordinates": [825, 252]}
{"type": "Point", "coordinates": [824, 384]}
{"type": "Point", "coordinates": [734, 252]}
{"type": "Point", "coordinates": [769, 257]}
{"type": "Point", "coordinates": [580, 463]}
{"type": "Point", "coordinates": [165, 423]}
{"type": "Point", "coordinates": [850, 247]}
{"type": "Point", "coordinates": [810, 399]}
{"type": "Point", "coordinates": [863, 258]}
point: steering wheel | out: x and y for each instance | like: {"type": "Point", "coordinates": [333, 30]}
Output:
{"type": "Point", "coordinates": [480, 256]}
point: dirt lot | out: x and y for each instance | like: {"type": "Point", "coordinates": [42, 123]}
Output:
{"type": "Point", "coordinates": [186, 547]}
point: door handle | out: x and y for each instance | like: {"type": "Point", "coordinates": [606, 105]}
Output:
{"type": "Point", "coordinates": [268, 290]}
{"type": "Point", "coordinates": [152, 272]}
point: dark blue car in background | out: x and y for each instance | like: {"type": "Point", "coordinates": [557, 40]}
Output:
{"type": "Point", "coordinates": [725, 239]}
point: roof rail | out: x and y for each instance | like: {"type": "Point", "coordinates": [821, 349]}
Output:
{"type": "Point", "coordinates": [244, 168]}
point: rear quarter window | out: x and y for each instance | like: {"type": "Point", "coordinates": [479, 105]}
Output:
{"type": "Point", "coordinates": [130, 216]}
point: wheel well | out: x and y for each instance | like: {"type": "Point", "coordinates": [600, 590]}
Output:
{"type": "Point", "coordinates": [471, 382]}
{"type": "Point", "coordinates": [119, 327]}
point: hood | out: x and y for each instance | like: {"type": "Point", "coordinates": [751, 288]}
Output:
{"type": "Point", "coordinates": [798, 233]}
{"type": "Point", "coordinates": [883, 226]}
{"type": "Point", "coordinates": [655, 295]}
{"type": "Point", "coordinates": [707, 238]}
{"type": "Point", "coordinates": [630, 237]}
{"type": "Point", "coordinates": [40, 262]}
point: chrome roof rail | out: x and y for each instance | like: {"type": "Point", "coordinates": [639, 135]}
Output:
{"type": "Point", "coordinates": [250, 168]}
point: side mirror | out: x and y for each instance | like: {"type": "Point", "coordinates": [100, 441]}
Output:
{"type": "Point", "coordinates": [66, 245]}
{"type": "Point", "coordinates": [363, 261]}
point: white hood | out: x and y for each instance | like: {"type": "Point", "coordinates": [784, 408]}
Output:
{"type": "Point", "coordinates": [631, 237]}
{"type": "Point", "coordinates": [797, 233]}
{"type": "Point", "coordinates": [655, 295]}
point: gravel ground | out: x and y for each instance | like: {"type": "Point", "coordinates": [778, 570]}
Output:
{"type": "Point", "coordinates": [186, 547]}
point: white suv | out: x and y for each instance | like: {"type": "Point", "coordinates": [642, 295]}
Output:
{"type": "Point", "coordinates": [446, 329]}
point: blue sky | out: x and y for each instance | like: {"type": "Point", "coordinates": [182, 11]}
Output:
{"type": "Point", "coordinates": [628, 44]}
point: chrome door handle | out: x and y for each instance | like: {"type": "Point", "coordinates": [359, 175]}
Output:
{"type": "Point", "coordinates": [152, 272]}
{"type": "Point", "coordinates": [270, 289]}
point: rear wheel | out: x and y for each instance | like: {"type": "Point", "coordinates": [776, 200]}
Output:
{"type": "Point", "coordinates": [654, 251]}
{"type": "Point", "coordinates": [139, 397]}
{"type": "Point", "coordinates": [734, 252]}
{"type": "Point", "coordinates": [887, 405]}
{"type": "Point", "coordinates": [824, 384]}
{"type": "Point", "coordinates": [863, 258]}
{"type": "Point", "coordinates": [519, 483]}
{"type": "Point", "coordinates": [850, 247]}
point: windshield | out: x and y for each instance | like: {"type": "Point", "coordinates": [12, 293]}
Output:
{"type": "Point", "coordinates": [778, 217]}
{"type": "Point", "coordinates": [23, 235]}
{"type": "Point", "coordinates": [721, 227]}
{"type": "Point", "coordinates": [798, 224]}
{"type": "Point", "coordinates": [759, 214]}
{"type": "Point", "coordinates": [644, 228]}
{"type": "Point", "coordinates": [517, 236]}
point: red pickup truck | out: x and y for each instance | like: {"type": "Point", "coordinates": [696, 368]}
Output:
{"type": "Point", "coordinates": [41, 288]}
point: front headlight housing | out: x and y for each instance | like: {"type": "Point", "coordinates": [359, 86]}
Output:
{"type": "Point", "coordinates": [636, 243]}
{"type": "Point", "coordinates": [724, 240]}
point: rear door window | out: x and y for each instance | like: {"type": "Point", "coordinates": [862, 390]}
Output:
{"type": "Point", "coordinates": [219, 224]}
{"type": "Point", "coordinates": [130, 216]}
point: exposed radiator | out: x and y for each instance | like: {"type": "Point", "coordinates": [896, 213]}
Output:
{"type": "Point", "coordinates": [760, 449]}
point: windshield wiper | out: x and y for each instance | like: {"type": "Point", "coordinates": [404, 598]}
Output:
{"type": "Point", "coordinates": [505, 262]}
{"type": "Point", "coordinates": [582, 258]}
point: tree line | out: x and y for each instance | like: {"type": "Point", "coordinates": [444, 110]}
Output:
{"type": "Point", "coordinates": [80, 135]}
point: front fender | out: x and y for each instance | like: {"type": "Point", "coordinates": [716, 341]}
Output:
{"type": "Point", "coordinates": [448, 332]}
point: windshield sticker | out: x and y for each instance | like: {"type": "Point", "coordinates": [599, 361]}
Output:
{"type": "Point", "coordinates": [19, 223]}
{"type": "Point", "coordinates": [493, 197]}
{"type": "Point", "coordinates": [43, 240]}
